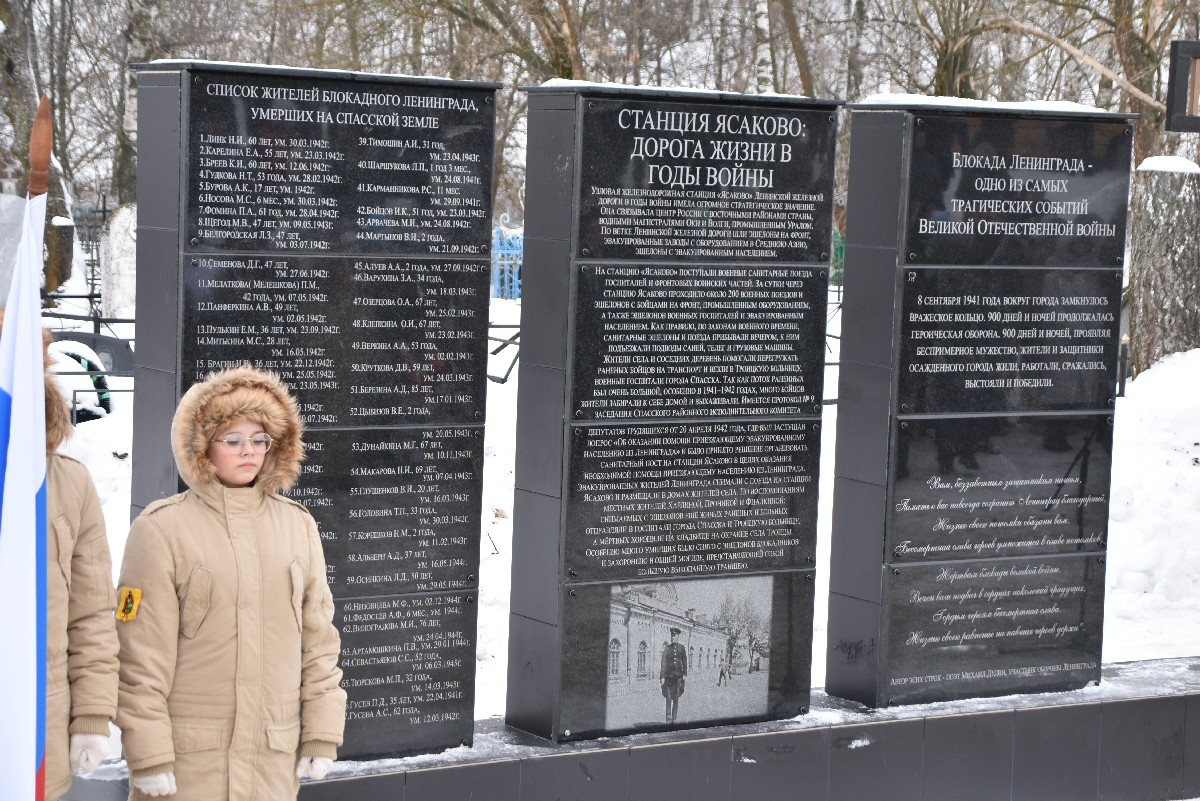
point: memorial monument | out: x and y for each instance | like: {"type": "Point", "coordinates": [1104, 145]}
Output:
{"type": "Point", "coordinates": [335, 227]}
{"type": "Point", "coordinates": [984, 256]}
{"type": "Point", "coordinates": [673, 313]}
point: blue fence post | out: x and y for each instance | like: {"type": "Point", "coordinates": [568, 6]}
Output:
{"type": "Point", "coordinates": [508, 245]}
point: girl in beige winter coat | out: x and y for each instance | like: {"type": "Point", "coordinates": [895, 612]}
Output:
{"type": "Point", "coordinates": [81, 642]}
{"type": "Point", "coordinates": [229, 680]}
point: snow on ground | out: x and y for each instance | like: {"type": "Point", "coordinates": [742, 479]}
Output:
{"type": "Point", "coordinates": [1152, 609]}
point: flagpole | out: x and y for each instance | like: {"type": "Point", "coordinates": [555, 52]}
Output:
{"type": "Point", "coordinates": [41, 140]}
{"type": "Point", "coordinates": [23, 489]}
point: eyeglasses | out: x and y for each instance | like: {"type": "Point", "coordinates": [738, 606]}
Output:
{"type": "Point", "coordinates": [259, 443]}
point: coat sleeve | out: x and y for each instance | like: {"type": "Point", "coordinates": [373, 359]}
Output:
{"type": "Point", "coordinates": [148, 648]}
{"type": "Point", "coordinates": [91, 632]}
{"type": "Point", "coordinates": [322, 699]}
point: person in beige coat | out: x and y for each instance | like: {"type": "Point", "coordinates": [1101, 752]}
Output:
{"type": "Point", "coordinates": [81, 640]}
{"type": "Point", "coordinates": [229, 680]}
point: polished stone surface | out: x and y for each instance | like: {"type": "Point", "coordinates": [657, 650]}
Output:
{"type": "Point", "coordinates": [746, 642]}
{"type": "Point", "coordinates": [308, 165]}
{"type": "Point", "coordinates": [663, 179]}
{"type": "Point", "coordinates": [992, 627]}
{"type": "Point", "coordinates": [677, 341]}
{"type": "Point", "coordinates": [408, 664]}
{"type": "Point", "coordinates": [362, 342]}
{"type": "Point", "coordinates": [971, 487]}
{"type": "Point", "coordinates": [398, 509]}
{"type": "Point", "coordinates": [992, 190]}
{"type": "Point", "coordinates": [703, 497]}
{"type": "Point", "coordinates": [1008, 340]}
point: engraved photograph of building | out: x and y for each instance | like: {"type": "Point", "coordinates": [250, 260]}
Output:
{"type": "Point", "coordinates": [723, 627]}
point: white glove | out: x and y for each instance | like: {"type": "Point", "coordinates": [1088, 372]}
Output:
{"type": "Point", "coordinates": [87, 751]}
{"type": "Point", "coordinates": [158, 784]}
{"type": "Point", "coordinates": [313, 767]}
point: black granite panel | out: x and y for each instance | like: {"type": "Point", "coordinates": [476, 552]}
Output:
{"type": "Point", "coordinates": [870, 285]}
{"type": "Point", "coordinates": [363, 342]}
{"type": "Point", "coordinates": [746, 641]}
{"type": "Point", "coordinates": [999, 486]}
{"type": "Point", "coordinates": [688, 181]}
{"type": "Point", "coordinates": [1191, 745]}
{"type": "Point", "coordinates": [864, 394]}
{"type": "Point", "coordinates": [545, 277]}
{"type": "Point", "coordinates": [676, 341]}
{"type": "Point", "coordinates": [1142, 749]}
{"type": "Point", "coordinates": [877, 761]}
{"type": "Point", "coordinates": [876, 179]}
{"type": "Point", "coordinates": [684, 771]}
{"type": "Point", "coordinates": [539, 451]}
{"type": "Point", "coordinates": [672, 499]}
{"type": "Point", "coordinates": [1005, 191]}
{"type": "Point", "coordinates": [85, 789]}
{"type": "Point", "coordinates": [579, 776]}
{"type": "Point", "coordinates": [549, 171]}
{"type": "Point", "coordinates": [992, 627]}
{"type": "Point", "coordinates": [535, 575]}
{"type": "Point", "coordinates": [853, 648]}
{"type": "Point", "coordinates": [781, 766]}
{"type": "Point", "coordinates": [383, 787]}
{"type": "Point", "coordinates": [482, 781]}
{"type": "Point", "coordinates": [155, 75]}
{"type": "Point", "coordinates": [1008, 340]}
{"type": "Point", "coordinates": [531, 702]}
{"type": "Point", "coordinates": [398, 509]}
{"type": "Point", "coordinates": [408, 665]}
{"type": "Point", "coordinates": [154, 404]}
{"type": "Point", "coordinates": [310, 165]}
{"type": "Point", "coordinates": [1056, 753]}
{"type": "Point", "coordinates": [857, 550]}
{"type": "Point", "coordinates": [159, 117]}
{"type": "Point", "coordinates": [158, 295]}
{"type": "Point", "coordinates": [973, 751]}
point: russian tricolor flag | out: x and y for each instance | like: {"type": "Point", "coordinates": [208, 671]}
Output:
{"type": "Point", "coordinates": [23, 519]}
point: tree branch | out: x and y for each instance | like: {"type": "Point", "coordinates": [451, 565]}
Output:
{"type": "Point", "coordinates": [1009, 23]}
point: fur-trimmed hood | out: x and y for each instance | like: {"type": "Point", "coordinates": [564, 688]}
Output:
{"type": "Point", "coordinates": [58, 413]}
{"type": "Point", "coordinates": [223, 397]}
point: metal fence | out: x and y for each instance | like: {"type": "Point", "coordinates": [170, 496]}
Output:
{"type": "Point", "coordinates": [508, 247]}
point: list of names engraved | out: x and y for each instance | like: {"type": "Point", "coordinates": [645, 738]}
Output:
{"type": "Point", "coordinates": [408, 661]}
{"type": "Point", "coordinates": [695, 341]}
{"type": "Point", "coordinates": [361, 341]}
{"type": "Point", "coordinates": [292, 164]}
{"type": "Point", "coordinates": [670, 500]}
{"type": "Point", "coordinates": [397, 509]}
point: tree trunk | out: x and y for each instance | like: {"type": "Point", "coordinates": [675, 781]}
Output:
{"type": "Point", "coordinates": [144, 42]}
{"type": "Point", "coordinates": [1164, 274]}
{"type": "Point", "coordinates": [798, 47]}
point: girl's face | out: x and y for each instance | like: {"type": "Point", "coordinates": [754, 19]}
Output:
{"type": "Point", "coordinates": [235, 454]}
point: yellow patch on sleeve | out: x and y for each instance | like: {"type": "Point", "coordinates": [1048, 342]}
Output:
{"type": "Point", "coordinates": [127, 605]}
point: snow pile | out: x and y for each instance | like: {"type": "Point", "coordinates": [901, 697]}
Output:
{"type": "Point", "coordinates": [104, 446]}
{"type": "Point", "coordinates": [495, 541]}
{"type": "Point", "coordinates": [938, 101]}
{"type": "Point", "coordinates": [1168, 164]}
{"type": "Point", "coordinates": [1152, 608]}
